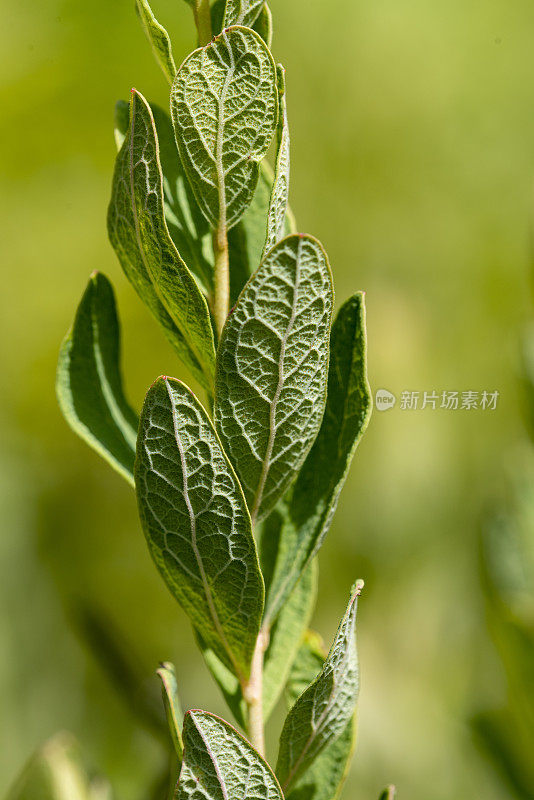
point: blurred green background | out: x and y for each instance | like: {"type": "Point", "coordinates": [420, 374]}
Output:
{"type": "Point", "coordinates": [413, 161]}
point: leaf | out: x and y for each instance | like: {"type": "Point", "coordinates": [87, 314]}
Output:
{"type": "Point", "coordinates": [242, 12]}
{"type": "Point", "coordinates": [219, 764]}
{"type": "Point", "coordinates": [224, 108]}
{"type": "Point", "coordinates": [139, 234]}
{"type": "Point", "coordinates": [308, 509]}
{"type": "Point", "coordinates": [173, 709]}
{"type": "Point", "coordinates": [188, 229]}
{"type": "Point", "coordinates": [158, 38]}
{"type": "Point", "coordinates": [271, 369]}
{"type": "Point", "coordinates": [283, 645]}
{"type": "Point", "coordinates": [197, 524]}
{"type": "Point", "coordinates": [389, 793]}
{"type": "Point", "coordinates": [286, 636]}
{"type": "Point", "coordinates": [263, 24]}
{"type": "Point", "coordinates": [324, 779]}
{"type": "Point", "coordinates": [247, 239]}
{"type": "Point", "coordinates": [54, 772]}
{"type": "Point", "coordinates": [323, 711]}
{"type": "Point", "coordinates": [121, 120]}
{"type": "Point", "coordinates": [89, 382]}
{"type": "Point", "coordinates": [276, 215]}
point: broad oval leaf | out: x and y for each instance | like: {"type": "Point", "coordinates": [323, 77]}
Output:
{"type": "Point", "coordinates": [196, 522]}
{"type": "Point", "coordinates": [323, 711]}
{"type": "Point", "coordinates": [220, 764]}
{"type": "Point", "coordinates": [89, 382]}
{"type": "Point", "coordinates": [276, 215]}
{"type": "Point", "coordinates": [224, 108]}
{"type": "Point", "coordinates": [158, 37]}
{"type": "Point", "coordinates": [272, 364]}
{"type": "Point", "coordinates": [173, 708]}
{"type": "Point", "coordinates": [308, 509]}
{"type": "Point", "coordinates": [326, 776]}
{"type": "Point", "coordinates": [242, 12]}
{"type": "Point", "coordinates": [148, 256]}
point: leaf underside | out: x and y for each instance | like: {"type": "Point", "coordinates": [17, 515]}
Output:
{"type": "Point", "coordinates": [242, 12]}
{"type": "Point", "coordinates": [196, 522]}
{"type": "Point", "coordinates": [148, 256]}
{"type": "Point", "coordinates": [306, 512]}
{"type": "Point", "coordinates": [89, 382]}
{"type": "Point", "coordinates": [323, 711]}
{"type": "Point", "coordinates": [158, 38]}
{"type": "Point", "coordinates": [220, 764]}
{"type": "Point", "coordinates": [276, 214]}
{"type": "Point", "coordinates": [271, 369]}
{"type": "Point", "coordinates": [224, 109]}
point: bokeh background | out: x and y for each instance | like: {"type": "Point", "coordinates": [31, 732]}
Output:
{"type": "Point", "coordinates": [413, 161]}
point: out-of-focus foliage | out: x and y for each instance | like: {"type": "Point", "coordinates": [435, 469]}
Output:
{"type": "Point", "coordinates": [421, 146]}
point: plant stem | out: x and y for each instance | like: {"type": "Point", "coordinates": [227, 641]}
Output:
{"type": "Point", "coordinates": [253, 694]}
{"type": "Point", "coordinates": [201, 11]}
{"type": "Point", "coordinates": [222, 277]}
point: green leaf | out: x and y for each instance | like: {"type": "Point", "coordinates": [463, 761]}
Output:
{"type": "Point", "coordinates": [247, 239]}
{"type": "Point", "coordinates": [224, 108]}
{"type": "Point", "coordinates": [286, 636]}
{"type": "Point", "coordinates": [308, 509]}
{"type": "Point", "coordinates": [276, 215]}
{"type": "Point", "coordinates": [121, 121]}
{"type": "Point", "coordinates": [389, 793]}
{"type": "Point", "coordinates": [197, 524]}
{"type": "Point", "coordinates": [148, 256]}
{"type": "Point", "coordinates": [158, 38]}
{"type": "Point", "coordinates": [323, 711]}
{"type": "Point", "coordinates": [89, 383]}
{"type": "Point", "coordinates": [324, 779]}
{"type": "Point", "coordinates": [55, 772]}
{"type": "Point", "coordinates": [242, 12]}
{"type": "Point", "coordinates": [271, 369]}
{"type": "Point", "coordinates": [187, 226]}
{"type": "Point", "coordinates": [283, 645]}
{"type": "Point", "coordinates": [173, 708]}
{"type": "Point", "coordinates": [219, 764]}
{"type": "Point", "coordinates": [263, 24]}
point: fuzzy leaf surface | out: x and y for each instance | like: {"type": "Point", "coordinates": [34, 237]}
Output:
{"type": "Point", "coordinates": [262, 25]}
{"type": "Point", "coordinates": [220, 764]}
{"type": "Point", "coordinates": [276, 214]}
{"type": "Point", "coordinates": [89, 382]}
{"type": "Point", "coordinates": [148, 256]}
{"type": "Point", "coordinates": [308, 509]}
{"type": "Point", "coordinates": [242, 12]}
{"type": "Point", "coordinates": [271, 369]}
{"type": "Point", "coordinates": [158, 37]}
{"type": "Point", "coordinates": [187, 226]}
{"type": "Point", "coordinates": [324, 779]}
{"type": "Point", "coordinates": [197, 524]}
{"type": "Point", "coordinates": [224, 107]}
{"type": "Point", "coordinates": [173, 708]}
{"type": "Point", "coordinates": [323, 711]}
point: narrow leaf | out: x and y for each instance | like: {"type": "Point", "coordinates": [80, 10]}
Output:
{"type": "Point", "coordinates": [326, 776]}
{"type": "Point", "coordinates": [389, 793]}
{"type": "Point", "coordinates": [247, 239]}
{"type": "Point", "coordinates": [271, 369]}
{"type": "Point", "coordinates": [89, 382]}
{"type": "Point", "coordinates": [197, 524]}
{"type": "Point", "coordinates": [158, 38]}
{"type": "Point", "coordinates": [224, 109]}
{"type": "Point", "coordinates": [282, 649]}
{"type": "Point", "coordinates": [242, 12]}
{"type": "Point", "coordinates": [280, 191]}
{"type": "Point", "coordinates": [121, 120]}
{"type": "Point", "coordinates": [323, 711]}
{"type": "Point", "coordinates": [173, 709]}
{"type": "Point", "coordinates": [187, 226]}
{"type": "Point", "coordinates": [308, 509]}
{"type": "Point", "coordinates": [219, 764]}
{"type": "Point", "coordinates": [139, 234]}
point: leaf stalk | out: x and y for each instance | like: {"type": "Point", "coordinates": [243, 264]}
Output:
{"type": "Point", "coordinates": [221, 300]}
{"type": "Point", "coordinates": [253, 694]}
